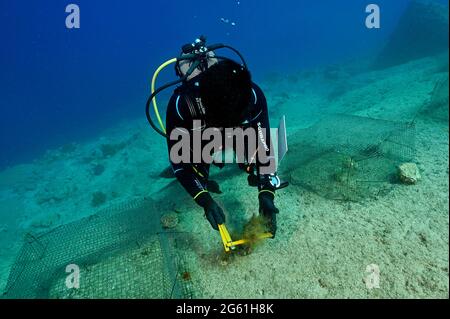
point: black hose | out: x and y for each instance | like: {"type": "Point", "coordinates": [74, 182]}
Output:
{"type": "Point", "coordinates": [149, 100]}
{"type": "Point", "coordinates": [238, 53]}
{"type": "Point", "coordinates": [219, 57]}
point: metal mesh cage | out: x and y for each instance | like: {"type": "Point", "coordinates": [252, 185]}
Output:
{"type": "Point", "coordinates": [437, 106]}
{"type": "Point", "coordinates": [346, 157]}
{"type": "Point", "coordinates": [121, 252]}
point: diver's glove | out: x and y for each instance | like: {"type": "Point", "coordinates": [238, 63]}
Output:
{"type": "Point", "coordinates": [268, 210]}
{"type": "Point", "coordinates": [213, 212]}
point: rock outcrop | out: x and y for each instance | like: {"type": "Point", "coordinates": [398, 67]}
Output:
{"type": "Point", "coordinates": [422, 31]}
{"type": "Point", "coordinates": [408, 173]}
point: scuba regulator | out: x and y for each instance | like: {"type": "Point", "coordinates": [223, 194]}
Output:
{"type": "Point", "coordinates": [196, 55]}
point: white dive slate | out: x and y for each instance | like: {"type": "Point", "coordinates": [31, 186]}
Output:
{"type": "Point", "coordinates": [282, 139]}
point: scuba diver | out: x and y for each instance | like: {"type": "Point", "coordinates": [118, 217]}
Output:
{"type": "Point", "coordinates": [218, 93]}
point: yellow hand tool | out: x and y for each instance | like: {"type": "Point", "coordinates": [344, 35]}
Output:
{"type": "Point", "coordinates": [229, 244]}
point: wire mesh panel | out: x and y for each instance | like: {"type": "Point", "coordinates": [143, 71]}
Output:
{"type": "Point", "coordinates": [438, 107]}
{"type": "Point", "coordinates": [347, 157]}
{"type": "Point", "coordinates": [135, 273]}
{"type": "Point", "coordinates": [120, 252]}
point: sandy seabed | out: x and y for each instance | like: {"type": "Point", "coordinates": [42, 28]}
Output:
{"type": "Point", "coordinates": [323, 247]}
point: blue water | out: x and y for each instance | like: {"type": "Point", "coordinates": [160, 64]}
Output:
{"type": "Point", "coordinates": [60, 85]}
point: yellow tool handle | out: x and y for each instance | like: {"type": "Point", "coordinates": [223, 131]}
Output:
{"type": "Point", "coordinates": [225, 232]}
{"type": "Point", "coordinates": [244, 241]}
{"type": "Point", "coordinates": [222, 231]}
{"type": "Point", "coordinates": [228, 243]}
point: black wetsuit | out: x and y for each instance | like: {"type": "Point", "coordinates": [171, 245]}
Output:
{"type": "Point", "coordinates": [184, 107]}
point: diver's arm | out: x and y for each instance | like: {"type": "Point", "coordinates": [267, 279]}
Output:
{"type": "Point", "coordinates": [265, 162]}
{"type": "Point", "coordinates": [193, 179]}
{"type": "Point", "coordinates": [265, 159]}
{"type": "Point", "coordinates": [197, 187]}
